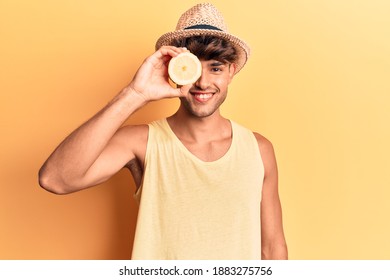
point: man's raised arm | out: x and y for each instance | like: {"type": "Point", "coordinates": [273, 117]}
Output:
{"type": "Point", "coordinates": [100, 147]}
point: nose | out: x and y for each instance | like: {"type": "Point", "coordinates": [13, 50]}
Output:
{"type": "Point", "coordinates": [203, 81]}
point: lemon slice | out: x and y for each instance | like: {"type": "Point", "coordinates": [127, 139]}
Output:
{"type": "Point", "coordinates": [184, 69]}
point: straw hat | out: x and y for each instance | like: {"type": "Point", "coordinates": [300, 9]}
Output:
{"type": "Point", "coordinates": [205, 19]}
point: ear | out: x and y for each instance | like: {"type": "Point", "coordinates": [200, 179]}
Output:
{"type": "Point", "coordinates": [232, 71]}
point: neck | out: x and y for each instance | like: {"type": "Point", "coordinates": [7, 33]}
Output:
{"type": "Point", "coordinates": [196, 129]}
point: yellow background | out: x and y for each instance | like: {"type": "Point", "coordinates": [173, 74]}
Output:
{"type": "Point", "coordinates": [317, 85]}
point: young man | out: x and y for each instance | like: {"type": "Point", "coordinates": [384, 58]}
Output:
{"type": "Point", "coordinates": [207, 187]}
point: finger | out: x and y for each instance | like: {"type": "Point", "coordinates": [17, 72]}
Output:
{"type": "Point", "coordinates": [170, 51]}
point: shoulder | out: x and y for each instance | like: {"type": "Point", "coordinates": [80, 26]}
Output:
{"type": "Point", "coordinates": [265, 145]}
{"type": "Point", "coordinates": [134, 131]}
{"type": "Point", "coordinates": [132, 134]}
{"type": "Point", "coordinates": [267, 152]}
{"type": "Point", "coordinates": [133, 138]}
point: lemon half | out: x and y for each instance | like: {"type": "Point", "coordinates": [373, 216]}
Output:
{"type": "Point", "coordinates": [184, 69]}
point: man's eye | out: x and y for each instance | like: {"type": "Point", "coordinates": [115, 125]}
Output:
{"type": "Point", "coordinates": [216, 69]}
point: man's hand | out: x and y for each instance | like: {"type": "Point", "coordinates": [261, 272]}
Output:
{"type": "Point", "coordinates": [151, 80]}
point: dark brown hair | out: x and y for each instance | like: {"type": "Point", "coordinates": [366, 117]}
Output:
{"type": "Point", "coordinates": [207, 47]}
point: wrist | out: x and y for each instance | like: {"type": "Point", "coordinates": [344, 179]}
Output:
{"type": "Point", "coordinates": [133, 96]}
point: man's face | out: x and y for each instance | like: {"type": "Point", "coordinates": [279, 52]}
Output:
{"type": "Point", "coordinates": [209, 92]}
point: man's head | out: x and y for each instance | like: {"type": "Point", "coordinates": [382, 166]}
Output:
{"type": "Point", "coordinates": [203, 32]}
{"type": "Point", "coordinates": [199, 29]}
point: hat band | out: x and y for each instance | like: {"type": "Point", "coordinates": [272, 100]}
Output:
{"type": "Point", "coordinates": [203, 26]}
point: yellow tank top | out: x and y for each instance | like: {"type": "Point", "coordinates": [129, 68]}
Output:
{"type": "Point", "coordinates": [191, 209]}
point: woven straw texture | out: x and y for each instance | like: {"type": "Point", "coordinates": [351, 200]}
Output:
{"type": "Point", "coordinates": [205, 14]}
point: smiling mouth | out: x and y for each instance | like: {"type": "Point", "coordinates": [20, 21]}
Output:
{"type": "Point", "coordinates": [202, 97]}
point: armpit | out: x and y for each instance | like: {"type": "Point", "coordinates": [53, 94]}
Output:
{"type": "Point", "coordinates": [136, 170]}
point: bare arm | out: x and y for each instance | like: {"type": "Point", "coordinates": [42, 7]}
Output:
{"type": "Point", "coordinates": [272, 236]}
{"type": "Point", "coordinates": [100, 147]}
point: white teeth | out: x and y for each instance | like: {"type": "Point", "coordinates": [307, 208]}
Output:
{"type": "Point", "coordinates": [205, 96]}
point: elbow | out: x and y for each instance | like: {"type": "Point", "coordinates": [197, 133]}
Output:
{"type": "Point", "coordinates": [48, 182]}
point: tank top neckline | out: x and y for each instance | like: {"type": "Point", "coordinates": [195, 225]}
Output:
{"type": "Point", "coordinates": [180, 144]}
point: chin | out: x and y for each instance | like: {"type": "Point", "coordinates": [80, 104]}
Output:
{"type": "Point", "coordinates": [199, 111]}
{"type": "Point", "coordinates": [202, 114]}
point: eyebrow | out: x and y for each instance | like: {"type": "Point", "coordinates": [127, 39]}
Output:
{"type": "Point", "coordinates": [216, 63]}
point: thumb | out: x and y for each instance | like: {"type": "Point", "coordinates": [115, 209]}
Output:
{"type": "Point", "coordinates": [183, 90]}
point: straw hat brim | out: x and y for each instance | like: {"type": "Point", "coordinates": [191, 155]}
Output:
{"type": "Point", "coordinates": [241, 47]}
